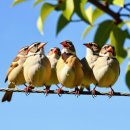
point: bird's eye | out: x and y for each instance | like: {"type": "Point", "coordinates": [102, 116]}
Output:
{"type": "Point", "coordinates": [105, 47]}
{"type": "Point", "coordinates": [90, 44]}
{"type": "Point", "coordinates": [35, 45]}
{"type": "Point", "coordinates": [25, 49]}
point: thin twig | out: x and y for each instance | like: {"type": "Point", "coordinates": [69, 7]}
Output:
{"type": "Point", "coordinates": [76, 20]}
{"type": "Point", "coordinates": [125, 7]}
{"type": "Point", "coordinates": [64, 92]}
{"type": "Point", "coordinates": [110, 12]}
{"type": "Point", "coordinates": [127, 4]}
{"type": "Point", "coordinates": [125, 15]}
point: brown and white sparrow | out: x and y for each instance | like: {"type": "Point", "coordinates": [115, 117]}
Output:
{"type": "Point", "coordinates": [53, 56]}
{"type": "Point", "coordinates": [106, 69]}
{"type": "Point", "coordinates": [15, 73]}
{"type": "Point", "coordinates": [37, 67]}
{"type": "Point", "coordinates": [69, 67]}
{"type": "Point", "coordinates": [88, 63]}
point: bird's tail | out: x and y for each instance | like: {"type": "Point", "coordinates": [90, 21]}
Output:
{"type": "Point", "coordinates": [8, 95]}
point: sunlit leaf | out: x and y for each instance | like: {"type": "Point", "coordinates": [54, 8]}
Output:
{"type": "Point", "coordinates": [127, 23]}
{"type": "Point", "coordinates": [127, 78]}
{"type": "Point", "coordinates": [96, 14]}
{"type": "Point", "coordinates": [37, 2]}
{"type": "Point", "coordinates": [103, 32]}
{"type": "Point", "coordinates": [17, 2]}
{"type": "Point", "coordinates": [80, 11]}
{"type": "Point", "coordinates": [88, 12]}
{"type": "Point", "coordinates": [62, 22]}
{"type": "Point", "coordinates": [117, 38]}
{"type": "Point", "coordinates": [69, 8]}
{"type": "Point", "coordinates": [119, 2]}
{"type": "Point", "coordinates": [45, 11]}
{"type": "Point", "coordinates": [86, 31]}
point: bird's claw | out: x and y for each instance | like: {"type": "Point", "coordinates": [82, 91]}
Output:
{"type": "Point", "coordinates": [59, 91]}
{"type": "Point", "coordinates": [77, 92]}
{"type": "Point", "coordinates": [94, 93]}
{"type": "Point", "coordinates": [27, 90]}
{"type": "Point", "coordinates": [111, 93]}
{"type": "Point", "coordinates": [46, 90]}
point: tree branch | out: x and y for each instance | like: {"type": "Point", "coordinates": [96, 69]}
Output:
{"type": "Point", "coordinates": [65, 92]}
{"type": "Point", "coordinates": [113, 14]}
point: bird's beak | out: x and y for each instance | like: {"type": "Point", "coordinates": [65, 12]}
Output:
{"type": "Point", "coordinates": [110, 49]}
{"type": "Point", "coordinates": [55, 51]}
{"type": "Point", "coordinates": [87, 45]}
{"type": "Point", "coordinates": [42, 45]}
{"type": "Point", "coordinates": [64, 44]}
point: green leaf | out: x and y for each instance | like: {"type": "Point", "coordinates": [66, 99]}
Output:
{"type": "Point", "coordinates": [88, 12]}
{"type": "Point", "coordinates": [86, 31]}
{"type": "Point", "coordinates": [127, 78]}
{"type": "Point", "coordinates": [37, 2]}
{"type": "Point", "coordinates": [46, 9]}
{"type": "Point", "coordinates": [103, 32]}
{"type": "Point", "coordinates": [62, 22]}
{"type": "Point", "coordinates": [17, 2]}
{"type": "Point", "coordinates": [69, 9]}
{"type": "Point", "coordinates": [127, 23]}
{"type": "Point", "coordinates": [119, 2]}
{"type": "Point", "coordinates": [97, 13]}
{"type": "Point", "coordinates": [80, 11]}
{"type": "Point", "coordinates": [117, 38]}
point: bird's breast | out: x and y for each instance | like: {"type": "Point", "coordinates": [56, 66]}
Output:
{"type": "Point", "coordinates": [67, 76]}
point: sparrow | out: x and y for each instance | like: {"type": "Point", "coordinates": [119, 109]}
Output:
{"type": "Point", "coordinates": [53, 56]}
{"type": "Point", "coordinates": [69, 68]}
{"type": "Point", "coordinates": [106, 69]}
{"type": "Point", "coordinates": [37, 67]}
{"type": "Point", "coordinates": [15, 75]}
{"type": "Point", "coordinates": [88, 63]}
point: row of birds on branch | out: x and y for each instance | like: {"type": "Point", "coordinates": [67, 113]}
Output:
{"type": "Point", "coordinates": [33, 68]}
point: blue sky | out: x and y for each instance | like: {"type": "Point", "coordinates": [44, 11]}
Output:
{"type": "Point", "coordinates": [18, 28]}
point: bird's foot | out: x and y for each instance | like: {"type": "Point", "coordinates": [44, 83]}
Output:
{"type": "Point", "coordinates": [94, 93]}
{"type": "Point", "coordinates": [77, 92]}
{"type": "Point", "coordinates": [111, 93]}
{"type": "Point", "coordinates": [46, 91]}
{"type": "Point", "coordinates": [59, 91]}
{"type": "Point", "coordinates": [28, 89]}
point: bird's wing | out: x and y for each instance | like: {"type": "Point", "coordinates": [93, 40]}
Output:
{"type": "Point", "coordinates": [12, 66]}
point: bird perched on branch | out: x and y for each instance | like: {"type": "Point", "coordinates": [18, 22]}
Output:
{"type": "Point", "coordinates": [106, 69]}
{"type": "Point", "coordinates": [37, 67]}
{"type": "Point", "coordinates": [53, 56]}
{"type": "Point", "coordinates": [69, 67]}
{"type": "Point", "coordinates": [15, 73]}
{"type": "Point", "coordinates": [88, 63]}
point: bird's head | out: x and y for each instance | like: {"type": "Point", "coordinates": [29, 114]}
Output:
{"type": "Point", "coordinates": [93, 47]}
{"type": "Point", "coordinates": [23, 51]}
{"type": "Point", "coordinates": [37, 47]}
{"type": "Point", "coordinates": [68, 47]}
{"type": "Point", "coordinates": [108, 51]}
{"type": "Point", "coordinates": [54, 52]}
